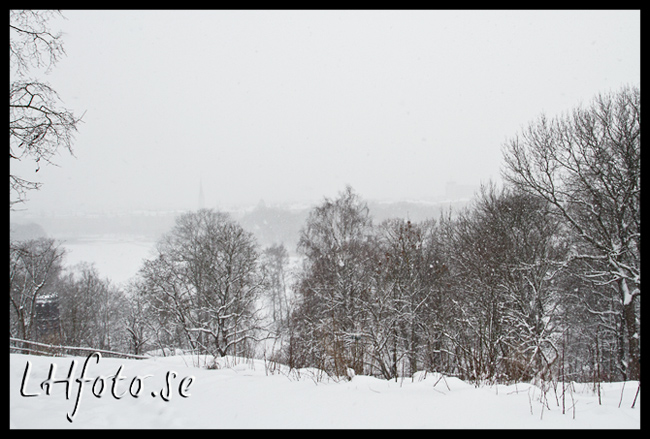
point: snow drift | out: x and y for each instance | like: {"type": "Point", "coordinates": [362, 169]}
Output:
{"type": "Point", "coordinates": [183, 392]}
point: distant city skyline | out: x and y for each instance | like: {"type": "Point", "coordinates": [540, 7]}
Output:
{"type": "Point", "coordinates": [292, 106]}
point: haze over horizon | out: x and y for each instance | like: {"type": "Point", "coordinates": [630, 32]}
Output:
{"type": "Point", "coordinates": [292, 106]}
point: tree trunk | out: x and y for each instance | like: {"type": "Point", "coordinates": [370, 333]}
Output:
{"type": "Point", "coordinates": [634, 365]}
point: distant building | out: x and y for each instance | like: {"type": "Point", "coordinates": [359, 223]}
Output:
{"type": "Point", "coordinates": [48, 324]}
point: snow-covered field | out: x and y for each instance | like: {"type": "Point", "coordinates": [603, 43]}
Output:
{"type": "Point", "coordinates": [117, 258]}
{"type": "Point", "coordinates": [247, 394]}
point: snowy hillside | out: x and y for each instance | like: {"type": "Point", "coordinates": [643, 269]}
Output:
{"type": "Point", "coordinates": [249, 394]}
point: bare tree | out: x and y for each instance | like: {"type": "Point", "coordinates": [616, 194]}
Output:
{"type": "Point", "coordinates": [505, 254]}
{"type": "Point", "coordinates": [32, 45]}
{"type": "Point", "coordinates": [274, 261]}
{"type": "Point", "coordinates": [205, 283]}
{"type": "Point", "coordinates": [33, 268]}
{"type": "Point", "coordinates": [334, 288]}
{"type": "Point", "coordinates": [91, 309]}
{"type": "Point", "coordinates": [137, 320]}
{"type": "Point", "coordinates": [586, 165]}
{"type": "Point", "coordinates": [38, 124]}
{"type": "Point", "coordinates": [404, 307]}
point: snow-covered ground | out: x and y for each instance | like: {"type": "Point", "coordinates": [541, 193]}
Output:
{"type": "Point", "coordinates": [247, 394]}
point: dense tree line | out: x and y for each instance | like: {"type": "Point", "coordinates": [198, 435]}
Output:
{"type": "Point", "coordinates": [537, 279]}
{"type": "Point", "coordinates": [534, 279]}
{"type": "Point", "coordinates": [490, 294]}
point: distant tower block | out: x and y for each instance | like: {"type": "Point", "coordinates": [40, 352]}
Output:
{"type": "Point", "coordinates": [201, 197]}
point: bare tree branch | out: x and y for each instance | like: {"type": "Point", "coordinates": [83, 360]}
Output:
{"type": "Point", "coordinates": [39, 126]}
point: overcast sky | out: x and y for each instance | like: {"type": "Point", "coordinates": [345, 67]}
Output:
{"type": "Point", "coordinates": [290, 106]}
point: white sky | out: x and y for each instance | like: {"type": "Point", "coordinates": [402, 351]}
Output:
{"type": "Point", "coordinates": [290, 106]}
